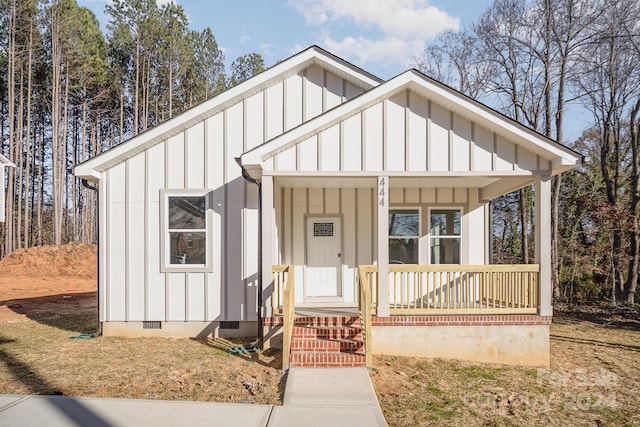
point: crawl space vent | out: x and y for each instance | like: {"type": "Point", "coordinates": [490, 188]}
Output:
{"type": "Point", "coordinates": [229, 325]}
{"type": "Point", "coordinates": [151, 325]}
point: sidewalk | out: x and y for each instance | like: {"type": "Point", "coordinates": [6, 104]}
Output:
{"type": "Point", "coordinates": [313, 397]}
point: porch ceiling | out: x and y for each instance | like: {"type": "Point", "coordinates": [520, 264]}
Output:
{"type": "Point", "coordinates": [489, 186]}
{"type": "Point", "coordinates": [394, 181]}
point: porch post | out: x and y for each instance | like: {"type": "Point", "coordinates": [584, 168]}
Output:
{"type": "Point", "coordinates": [543, 242]}
{"type": "Point", "coordinates": [267, 244]}
{"type": "Point", "coordinates": [383, 246]}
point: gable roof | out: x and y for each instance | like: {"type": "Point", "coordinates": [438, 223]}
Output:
{"type": "Point", "coordinates": [562, 158]}
{"type": "Point", "coordinates": [313, 55]}
{"type": "Point", "coordinates": [4, 161]}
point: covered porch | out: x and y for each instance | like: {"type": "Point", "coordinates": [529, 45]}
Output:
{"type": "Point", "coordinates": [428, 307]}
{"type": "Point", "coordinates": [419, 250]}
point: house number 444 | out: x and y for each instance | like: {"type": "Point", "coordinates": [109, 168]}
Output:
{"type": "Point", "coordinates": [382, 191]}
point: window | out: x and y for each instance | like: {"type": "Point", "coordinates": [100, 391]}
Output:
{"type": "Point", "coordinates": [185, 238]}
{"type": "Point", "coordinates": [404, 233]}
{"type": "Point", "coordinates": [444, 236]}
{"type": "Point", "coordinates": [322, 229]}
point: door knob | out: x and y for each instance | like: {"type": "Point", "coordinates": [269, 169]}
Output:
{"type": "Point", "coordinates": [339, 255]}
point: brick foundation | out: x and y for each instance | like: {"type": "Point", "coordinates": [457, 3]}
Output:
{"type": "Point", "coordinates": [462, 320]}
{"type": "Point", "coordinates": [521, 339]}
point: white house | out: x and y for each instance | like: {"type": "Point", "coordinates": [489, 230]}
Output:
{"type": "Point", "coordinates": [4, 163]}
{"type": "Point", "coordinates": [301, 175]}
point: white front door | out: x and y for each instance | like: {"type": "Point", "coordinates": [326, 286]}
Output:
{"type": "Point", "coordinates": [324, 258]}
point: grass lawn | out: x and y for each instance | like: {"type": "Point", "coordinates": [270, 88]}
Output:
{"type": "Point", "coordinates": [40, 358]}
{"type": "Point", "coordinates": [594, 378]}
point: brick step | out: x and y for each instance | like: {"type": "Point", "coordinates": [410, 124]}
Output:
{"type": "Point", "coordinates": [326, 360]}
{"type": "Point", "coordinates": [327, 321]}
{"type": "Point", "coordinates": [326, 332]}
{"type": "Point", "coordinates": [316, 345]}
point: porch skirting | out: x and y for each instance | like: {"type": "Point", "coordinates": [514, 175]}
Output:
{"type": "Point", "coordinates": [507, 339]}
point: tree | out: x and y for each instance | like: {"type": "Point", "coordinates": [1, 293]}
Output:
{"type": "Point", "coordinates": [611, 84]}
{"type": "Point", "coordinates": [67, 93]}
{"type": "Point", "coordinates": [246, 66]}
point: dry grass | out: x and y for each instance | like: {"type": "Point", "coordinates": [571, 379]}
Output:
{"type": "Point", "coordinates": [594, 379]}
{"type": "Point", "coordinates": [40, 358]}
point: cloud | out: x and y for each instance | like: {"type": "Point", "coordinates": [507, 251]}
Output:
{"type": "Point", "coordinates": [376, 30]}
{"type": "Point", "coordinates": [368, 51]}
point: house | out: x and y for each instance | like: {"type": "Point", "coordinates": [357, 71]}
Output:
{"type": "Point", "coordinates": [4, 163]}
{"type": "Point", "coordinates": [317, 186]}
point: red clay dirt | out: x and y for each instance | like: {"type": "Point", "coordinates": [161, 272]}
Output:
{"type": "Point", "coordinates": [47, 280]}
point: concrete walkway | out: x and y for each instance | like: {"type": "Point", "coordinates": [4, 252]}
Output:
{"type": "Point", "coordinates": [313, 397]}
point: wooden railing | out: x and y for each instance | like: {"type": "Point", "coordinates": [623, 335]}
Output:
{"type": "Point", "coordinates": [463, 289]}
{"type": "Point", "coordinates": [280, 276]}
{"type": "Point", "coordinates": [283, 298]}
{"type": "Point", "coordinates": [459, 289]}
{"type": "Point", "coordinates": [366, 274]}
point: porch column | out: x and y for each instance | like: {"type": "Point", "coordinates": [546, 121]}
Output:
{"type": "Point", "coordinates": [543, 242]}
{"type": "Point", "coordinates": [383, 246]}
{"type": "Point", "coordinates": [267, 244]}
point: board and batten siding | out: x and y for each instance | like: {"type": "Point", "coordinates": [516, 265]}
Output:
{"type": "Point", "coordinates": [407, 133]}
{"type": "Point", "coordinates": [202, 157]}
{"type": "Point", "coordinates": [357, 210]}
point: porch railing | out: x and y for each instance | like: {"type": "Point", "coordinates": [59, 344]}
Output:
{"type": "Point", "coordinates": [463, 289]}
{"type": "Point", "coordinates": [280, 276]}
{"type": "Point", "coordinates": [366, 274]}
{"type": "Point", "coordinates": [282, 302]}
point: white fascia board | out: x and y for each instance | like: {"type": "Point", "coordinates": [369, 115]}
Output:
{"type": "Point", "coordinates": [4, 161]}
{"type": "Point", "coordinates": [91, 169]}
{"type": "Point", "coordinates": [88, 174]}
{"type": "Point", "coordinates": [561, 164]}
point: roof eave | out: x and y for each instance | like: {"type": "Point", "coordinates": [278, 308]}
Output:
{"type": "Point", "coordinates": [292, 65]}
{"type": "Point", "coordinates": [4, 161]}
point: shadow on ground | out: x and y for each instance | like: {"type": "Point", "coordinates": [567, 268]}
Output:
{"type": "Point", "coordinates": [618, 317]}
{"type": "Point", "coordinates": [73, 409]}
{"type": "Point", "coordinates": [68, 311]}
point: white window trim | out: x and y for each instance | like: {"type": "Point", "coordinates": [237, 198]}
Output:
{"type": "Point", "coordinates": [429, 237]}
{"type": "Point", "coordinates": [165, 256]}
{"type": "Point", "coordinates": [419, 236]}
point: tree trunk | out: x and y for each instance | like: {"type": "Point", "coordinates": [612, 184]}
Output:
{"type": "Point", "coordinates": [523, 226]}
{"type": "Point", "coordinates": [28, 143]}
{"type": "Point", "coordinates": [631, 284]}
{"type": "Point", "coordinates": [137, 86]}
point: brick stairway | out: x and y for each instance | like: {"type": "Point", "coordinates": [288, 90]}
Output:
{"type": "Point", "coordinates": [327, 342]}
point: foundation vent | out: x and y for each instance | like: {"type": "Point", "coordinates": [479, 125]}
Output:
{"type": "Point", "coordinates": [152, 325]}
{"type": "Point", "coordinates": [229, 325]}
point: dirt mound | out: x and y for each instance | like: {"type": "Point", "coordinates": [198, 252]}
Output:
{"type": "Point", "coordinates": [70, 260]}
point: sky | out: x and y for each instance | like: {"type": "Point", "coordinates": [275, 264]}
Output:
{"type": "Point", "coordinates": [381, 36]}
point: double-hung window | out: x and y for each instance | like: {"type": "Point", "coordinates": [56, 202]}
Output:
{"type": "Point", "coordinates": [186, 231]}
{"type": "Point", "coordinates": [444, 236]}
{"type": "Point", "coordinates": [404, 236]}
